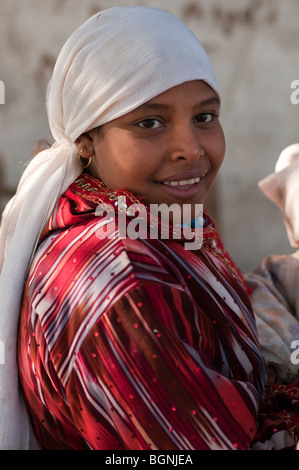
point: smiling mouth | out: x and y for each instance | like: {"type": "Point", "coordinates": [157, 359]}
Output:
{"type": "Point", "coordinates": [181, 182]}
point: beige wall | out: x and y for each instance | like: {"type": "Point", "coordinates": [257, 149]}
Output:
{"type": "Point", "coordinates": [254, 47]}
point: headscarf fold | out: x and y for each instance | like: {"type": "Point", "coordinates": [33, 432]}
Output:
{"type": "Point", "coordinates": [116, 61]}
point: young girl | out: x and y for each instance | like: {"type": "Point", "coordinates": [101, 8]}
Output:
{"type": "Point", "coordinates": [127, 342]}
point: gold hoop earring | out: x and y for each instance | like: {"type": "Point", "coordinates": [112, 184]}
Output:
{"type": "Point", "coordinates": [84, 165]}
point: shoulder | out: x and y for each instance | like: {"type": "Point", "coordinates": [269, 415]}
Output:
{"type": "Point", "coordinates": [82, 255]}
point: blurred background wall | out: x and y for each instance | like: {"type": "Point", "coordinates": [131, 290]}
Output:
{"type": "Point", "coordinates": [254, 46]}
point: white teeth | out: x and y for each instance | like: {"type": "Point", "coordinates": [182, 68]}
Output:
{"type": "Point", "coordinates": [182, 183]}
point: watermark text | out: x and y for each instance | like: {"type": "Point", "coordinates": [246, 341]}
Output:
{"type": "Point", "coordinates": [2, 92]}
{"type": "Point", "coordinates": [160, 221]}
{"type": "Point", "coordinates": [295, 94]}
{"type": "Point", "coordinates": [295, 353]}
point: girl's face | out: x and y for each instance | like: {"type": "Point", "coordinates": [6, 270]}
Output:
{"type": "Point", "coordinates": [169, 150]}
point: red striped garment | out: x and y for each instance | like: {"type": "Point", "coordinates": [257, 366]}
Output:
{"type": "Point", "coordinates": [135, 344]}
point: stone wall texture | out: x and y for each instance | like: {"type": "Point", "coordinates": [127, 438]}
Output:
{"type": "Point", "coordinates": [253, 45]}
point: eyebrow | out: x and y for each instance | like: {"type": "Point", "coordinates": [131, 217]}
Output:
{"type": "Point", "coordinates": [151, 105]}
{"type": "Point", "coordinates": [213, 100]}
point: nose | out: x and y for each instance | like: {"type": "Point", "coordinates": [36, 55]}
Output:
{"type": "Point", "coordinates": [186, 143]}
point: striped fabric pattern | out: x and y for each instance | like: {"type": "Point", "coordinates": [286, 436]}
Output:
{"type": "Point", "coordinates": [135, 344]}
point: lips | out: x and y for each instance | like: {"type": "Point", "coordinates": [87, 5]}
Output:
{"type": "Point", "coordinates": [182, 182]}
{"type": "Point", "coordinates": [183, 186]}
{"type": "Point", "coordinates": [184, 177]}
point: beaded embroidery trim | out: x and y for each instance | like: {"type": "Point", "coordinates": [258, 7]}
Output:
{"type": "Point", "coordinates": [94, 190]}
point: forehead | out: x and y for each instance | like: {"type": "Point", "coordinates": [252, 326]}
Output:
{"type": "Point", "coordinates": [195, 93]}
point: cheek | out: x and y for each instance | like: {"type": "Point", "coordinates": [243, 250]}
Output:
{"type": "Point", "coordinates": [218, 147]}
{"type": "Point", "coordinates": [118, 168]}
{"type": "Point", "coordinates": [132, 162]}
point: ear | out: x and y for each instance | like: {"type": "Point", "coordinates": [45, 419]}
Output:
{"type": "Point", "coordinates": [84, 144]}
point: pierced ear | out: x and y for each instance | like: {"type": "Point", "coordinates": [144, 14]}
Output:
{"type": "Point", "coordinates": [84, 144]}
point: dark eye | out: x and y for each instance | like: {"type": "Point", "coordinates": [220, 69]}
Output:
{"type": "Point", "coordinates": [150, 123]}
{"type": "Point", "coordinates": [206, 117]}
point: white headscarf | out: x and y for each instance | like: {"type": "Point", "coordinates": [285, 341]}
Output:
{"type": "Point", "coordinates": [116, 61]}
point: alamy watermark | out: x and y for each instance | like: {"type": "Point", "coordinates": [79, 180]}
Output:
{"type": "Point", "coordinates": [137, 222]}
{"type": "Point", "coordinates": [295, 94]}
{"type": "Point", "coordinates": [295, 353]}
{"type": "Point", "coordinates": [2, 92]}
